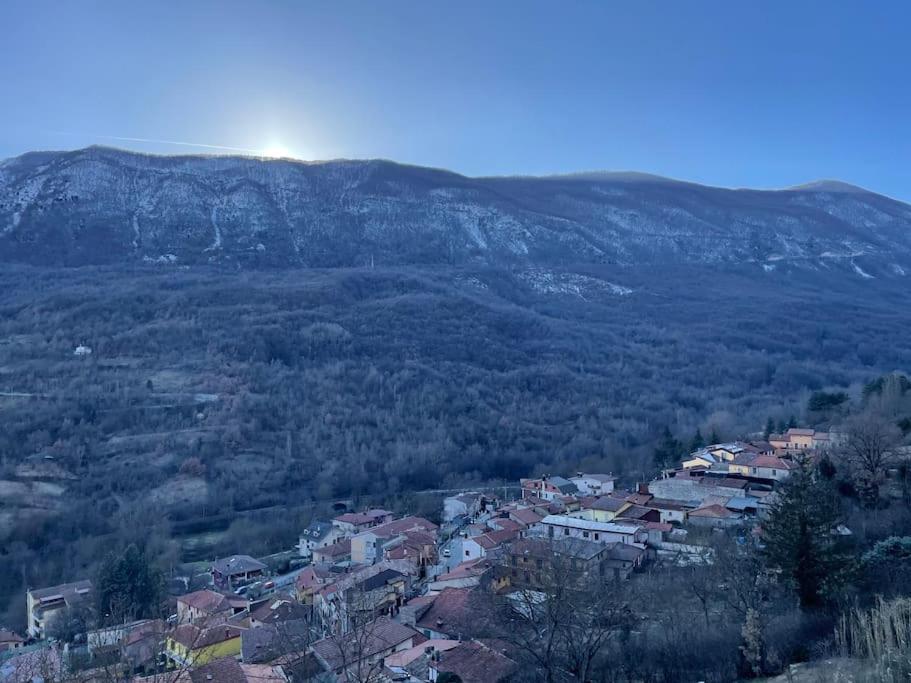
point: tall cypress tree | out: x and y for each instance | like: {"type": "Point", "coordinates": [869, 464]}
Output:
{"type": "Point", "coordinates": [128, 587]}
{"type": "Point", "coordinates": [798, 536]}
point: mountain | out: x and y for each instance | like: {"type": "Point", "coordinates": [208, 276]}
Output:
{"type": "Point", "coordinates": [106, 206]}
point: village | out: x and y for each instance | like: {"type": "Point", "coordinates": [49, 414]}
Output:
{"type": "Point", "coordinates": [376, 597]}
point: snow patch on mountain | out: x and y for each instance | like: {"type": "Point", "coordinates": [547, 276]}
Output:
{"type": "Point", "coordinates": [860, 271]}
{"type": "Point", "coordinates": [571, 284]}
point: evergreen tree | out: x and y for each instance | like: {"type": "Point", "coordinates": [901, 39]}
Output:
{"type": "Point", "coordinates": [792, 422]}
{"type": "Point", "coordinates": [128, 587]}
{"type": "Point", "coordinates": [798, 536]}
{"type": "Point", "coordinates": [698, 441]}
{"type": "Point", "coordinates": [713, 437]}
{"type": "Point", "coordinates": [769, 428]}
{"type": "Point", "coordinates": [668, 450]}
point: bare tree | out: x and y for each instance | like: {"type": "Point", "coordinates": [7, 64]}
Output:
{"type": "Point", "coordinates": [871, 448]}
{"type": "Point", "coordinates": [562, 619]}
{"type": "Point", "coordinates": [358, 652]}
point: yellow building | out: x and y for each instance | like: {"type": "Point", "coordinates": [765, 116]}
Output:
{"type": "Point", "coordinates": [603, 509]}
{"type": "Point", "coordinates": [191, 645]}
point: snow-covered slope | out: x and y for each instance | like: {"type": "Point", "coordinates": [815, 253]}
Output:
{"type": "Point", "coordinates": [101, 205]}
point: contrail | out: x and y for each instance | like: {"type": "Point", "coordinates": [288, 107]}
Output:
{"type": "Point", "coordinates": [244, 150]}
{"type": "Point", "coordinates": [257, 152]}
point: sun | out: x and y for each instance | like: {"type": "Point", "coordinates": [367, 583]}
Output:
{"type": "Point", "coordinates": [277, 152]}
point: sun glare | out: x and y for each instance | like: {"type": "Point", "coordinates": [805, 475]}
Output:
{"type": "Point", "coordinates": [276, 152]}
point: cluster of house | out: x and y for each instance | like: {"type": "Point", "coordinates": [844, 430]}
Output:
{"type": "Point", "coordinates": [729, 483]}
{"type": "Point", "coordinates": [399, 597]}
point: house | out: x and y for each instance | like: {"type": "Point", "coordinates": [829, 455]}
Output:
{"type": "Point", "coordinates": [367, 546]}
{"type": "Point", "coordinates": [10, 641]}
{"type": "Point", "coordinates": [473, 662]}
{"type": "Point", "coordinates": [363, 650]}
{"type": "Point", "coordinates": [700, 459]}
{"type": "Point", "coordinates": [333, 554]}
{"type": "Point", "coordinates": [763, 467]}
{"type": "Point", "coordinates": [200, 605]}
{"type": "Point", "coordinates": [141, 646]}
{"type": "Point", "coordinates": [714, 515]}
{"type": "Point", "coordinates": [355, 522]}
{"type": "Point", "coordinates": [229, 670]}
{"type": "Point", "coordinates": [601, 508]}
{"type": "Point", "coordinates": [528, 516]}
{"type": "Point", "coordinates": [318, 534]}
{"type": "Point", "coordinates": [462, 505]}
{"type": "Point", "coordinates": [476, 547]}
{"type": "Point", "coordinates": [669, 511]}
{"type": "Point", "coordinates": [44, 605]}
{"type": "Point", "coordinates": [562, 526]}
{"type": "Point", "coordinates": [237, 570]}
{"type": "Point", "coordinates": [537, 562]}
{"type": "Point", "coordinates": [192, 645]}
{"type": "Point", "coordinates": [797, 440]}
{"type": "Point", "coordinates": [277, 610]}
{"type": "Point", "coordinates": [641, 513]}
{"type": "Point", "coordinates": [415, 662]}
{"type": "Point", "coordinates": [417, 547]}
{"type": "Point", "coordinates": [449, 615]}
{"type": "Point", "coordinates": [622, 559]}
{"type": "Point", "coordinates": [593, 484]}
{"type": "Point", "coordinates": [506, 524]}
{"type": "Point", "coordinates": [311, 579]}
{"type": "Point", "coordinates": [464, 575]}
{"type": "Point", "coordinates": [547, 488]}
{"type": "Point", "coordinates": [269, 642]}
{"type": "Point", "coordinates": [770, 467]}
{"type": "Point", "coordinates": [372, 590]}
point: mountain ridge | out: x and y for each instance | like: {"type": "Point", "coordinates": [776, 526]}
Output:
{"type": "Point", "coordinates": [105, 205]}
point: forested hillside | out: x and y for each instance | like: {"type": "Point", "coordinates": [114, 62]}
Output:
{"type": "Point", "coordinates": [210, 394]}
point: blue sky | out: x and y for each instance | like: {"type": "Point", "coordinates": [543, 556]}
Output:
{"type": "Point", "coordinates": [762, 94]}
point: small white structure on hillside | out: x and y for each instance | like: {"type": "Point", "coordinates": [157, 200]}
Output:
{"type": "Point", "coordinates": [83, 350]}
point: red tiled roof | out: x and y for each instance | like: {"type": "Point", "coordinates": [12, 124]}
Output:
{"type": "Point", "coordinates": [193, 637]}
{"type": "Point", "coordinates": [374, 638]}
{"type": "Point", "coordinates": [339, 549]}
{"type": "Point", "coordinates": [772, 462]}
{"type": "Point", "coordinates": [9, 637]}
{"type": "Point", "coordinates": [506, 524]}
{"type": "Point", "coordinates": [474, 662]}
{"type": "Point", "coordinates": [494, 539]}
{"type": "Point", "coordinates": [526, 516]}
{"type": "Point", "coordinates": [205, 601]}
{"type": "Point", "coordinates": [713, 511]}
{"type": "Point", "coordinates": [449, 610]}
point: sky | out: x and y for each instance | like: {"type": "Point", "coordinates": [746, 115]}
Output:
{"type": "Point", "coordinates": [732, 93]}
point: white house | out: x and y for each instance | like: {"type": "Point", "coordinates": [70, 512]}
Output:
{"type": "Point", "coordinates": [594, 484]}
{"type": "Point", "coordinates": [462, 505]}
{"type": "Point", "coordinates": [319, 535]}
{"type": "Point", "coordinates": [563, 526]}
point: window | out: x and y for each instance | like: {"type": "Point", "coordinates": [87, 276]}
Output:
{"type": "Point", "coordinates": [597, 536]}
{"type": "Point", "coordinates": [774, 473]}
{"type": "Point", "coordinates": [565, 532]}
{"type": "Point", "coordinates": [467, 553]}
{"type": "Point", "coordinates": [584, 534]}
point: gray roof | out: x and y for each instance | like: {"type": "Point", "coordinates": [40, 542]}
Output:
{"type": "Point", "coordinates": [237, 564]}
{"type": "Point", "coordinates": [68, 592]}
{"type": "Point", "coordinates": [317, 530]}
{"type": "Point", "coordinates": [564, 485]}
{"type": "Point", "coordinates": [377, 636]}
